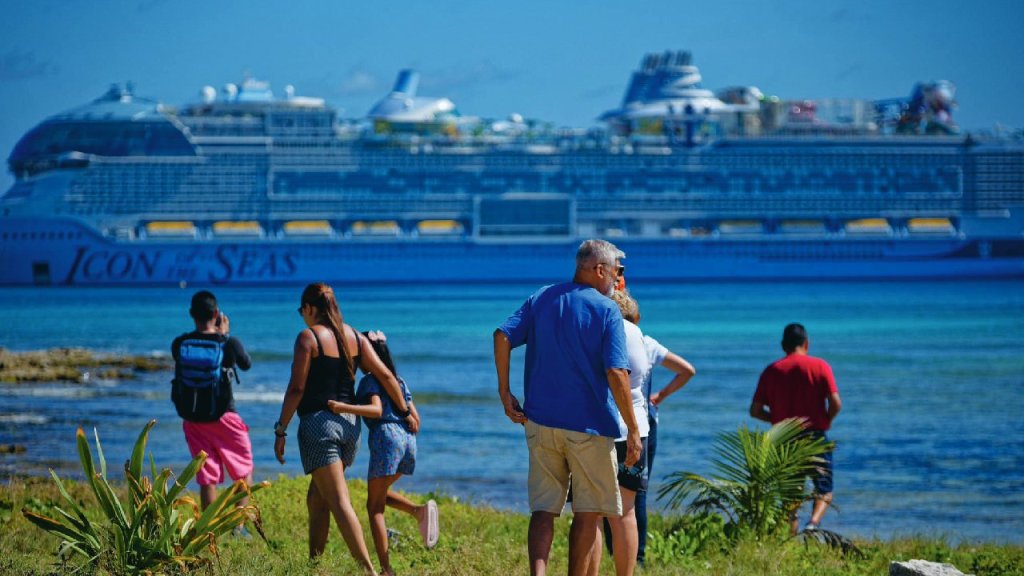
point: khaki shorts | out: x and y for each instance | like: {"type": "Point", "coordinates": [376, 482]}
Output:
{"type": "Point", "coordinates": [555, 454]}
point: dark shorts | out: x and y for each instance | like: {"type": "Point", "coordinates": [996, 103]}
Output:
{"type": "Point", "coordinates": [634, 478]}
{"type": "Point", "coordinates": [822, 480]}
{"type": "Point", "coordinates": [325, 438]}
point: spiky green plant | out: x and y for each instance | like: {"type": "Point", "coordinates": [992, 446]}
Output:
{"type": "Point", "coordinates": [759, 477]}
{"type": "Point", "coordinates": [160, 525]}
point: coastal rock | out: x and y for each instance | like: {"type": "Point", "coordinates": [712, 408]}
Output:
{"type": "Point", "coordinates": [12, 449]}
{"type": "Point", "coordinates": [73, 365]}
{"type": "Point", "coordinates": [923, 568]}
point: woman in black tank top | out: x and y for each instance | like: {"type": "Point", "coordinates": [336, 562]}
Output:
{"type": "Point", "coordinates": [326, 356]}
{"type": "Point", "coordinates": [329, 378]}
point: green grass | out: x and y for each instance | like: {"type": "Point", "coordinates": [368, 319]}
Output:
{"type": "Point", "coordinates": [474, 540]}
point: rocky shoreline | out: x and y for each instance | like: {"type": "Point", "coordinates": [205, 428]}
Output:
{"type": "Point", "coordinates": [75, 365]}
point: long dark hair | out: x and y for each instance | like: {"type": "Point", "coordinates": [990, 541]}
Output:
{"type": "Point", "coordinates": [383, 352]}
{"type": "Point", "coordinates": [321, 297]}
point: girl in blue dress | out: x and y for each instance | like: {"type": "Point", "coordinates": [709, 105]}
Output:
{"type": "Point", "coordinates": [392, 442]}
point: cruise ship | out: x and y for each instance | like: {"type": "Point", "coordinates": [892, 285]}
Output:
{"type": "Point", "coordinates": [246, 187]}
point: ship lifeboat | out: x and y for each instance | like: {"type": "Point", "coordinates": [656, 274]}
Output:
{"type": "Point", "coordinates": [868, 226]}
{"type": "Point", "coordinates": [684, 230]}
{"type": "Point", "coordinates": [802, 227]}
{"type": "Point", "coordinates": [376, 228]}
{"type": "Point", "coordinates": [740, 227]}
{"type": "Point", "coordinates": [171, 229]}
{"type": "Point", "coordinates": [438, 227]}
{"type": "Point", "coordinates": [237, 228]}
{"type": "Point", "coordinates": [936, 226]}
{"type": "Point", "coordinates": [308, 228]}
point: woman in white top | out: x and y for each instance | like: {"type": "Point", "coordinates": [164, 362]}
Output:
{"type": "Point", "coordinates": [631, 479]}
{"type": "Point", "coordinates": [629, 532]}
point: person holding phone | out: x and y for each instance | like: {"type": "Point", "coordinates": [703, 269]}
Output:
{"type": "Point", "coordinates": [206, 362]}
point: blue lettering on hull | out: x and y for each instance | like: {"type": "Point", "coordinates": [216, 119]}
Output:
{"type": "Point", "coordinates": [246, 264]}
{"type": "Point", "coordinates": [226, 264]}
{"type": "Point", "coordinates": [91, 266]}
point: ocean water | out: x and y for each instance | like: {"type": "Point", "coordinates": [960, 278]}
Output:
{"type": "Point", "coordinates": [931, 375]}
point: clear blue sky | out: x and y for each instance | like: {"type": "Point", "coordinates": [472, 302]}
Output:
{"type": "Point", "coordinates": [560, 61]}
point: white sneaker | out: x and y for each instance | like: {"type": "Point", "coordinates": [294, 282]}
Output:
{"type": "Point", "coordinates": [429, 527]}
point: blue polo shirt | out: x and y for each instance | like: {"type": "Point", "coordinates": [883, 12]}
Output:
{"type": "Point", "coordinates": [574, 336]}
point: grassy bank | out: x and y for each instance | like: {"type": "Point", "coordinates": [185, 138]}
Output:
{"type": "Point", "coordinates": [474, 540]}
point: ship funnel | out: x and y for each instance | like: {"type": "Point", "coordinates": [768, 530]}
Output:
{"type": "Point", "coordinates": [407, 83]}
{"type": "Point", "coordinates": [661, 75]}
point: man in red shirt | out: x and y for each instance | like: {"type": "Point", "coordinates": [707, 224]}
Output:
{"type": "Point", "coordinates": [801, 386]}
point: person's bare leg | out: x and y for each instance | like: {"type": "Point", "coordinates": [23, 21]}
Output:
{"type": "Point", "coordinates": [584, 547]}
{"type": "Point", "coordinates": [207, 494]}
{"type": "Point", "coordinates": [594, 560]}
{"type": "Point", "coordinates": [821, 505]}
{"type": "Point", "coordinates": [376, 500]}
{"type": "Point", "coordinates": [541, 533]}
{"type": "Point", "coordinates": [624, 535]}
{"type": "Point", "coordinates": [330, 483]}
{"type": "Point", "coordinates": [240, 529]}
{"type": "Point", "coordinates": [319, 521]}
{"type": "Point", "coordinates": [248, 482]}
{"type": "Point", "coordinates": [403, 504]}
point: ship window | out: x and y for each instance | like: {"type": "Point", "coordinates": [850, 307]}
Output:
{"type": "Point", "coordinates": [104, 138]}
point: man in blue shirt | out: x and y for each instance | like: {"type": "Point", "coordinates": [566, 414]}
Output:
{"type": "Point", "coordinates": [576, 381]}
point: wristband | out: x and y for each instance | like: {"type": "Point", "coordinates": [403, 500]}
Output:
{"type": "Point", "coordinates": [406, 414]}
{"type": "Point", "coordinates": [279, 429]}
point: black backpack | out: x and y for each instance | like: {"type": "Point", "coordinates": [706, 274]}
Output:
{"type": "Point", "coordinates": [198, 389]}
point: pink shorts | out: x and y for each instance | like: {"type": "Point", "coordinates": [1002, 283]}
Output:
{"type": "Point", "coordinates": [226, 443]}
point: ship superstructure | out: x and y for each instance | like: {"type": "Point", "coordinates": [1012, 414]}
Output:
{"type": "Point", "coordinates": [245, 187]}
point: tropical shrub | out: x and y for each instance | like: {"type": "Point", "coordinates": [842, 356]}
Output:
{"type": "Point", "coordinates": [759, 477]}
{"type": "Point", "coordinates": [159, 526]}
{"type": "Point", "coordinates": [688, 536]}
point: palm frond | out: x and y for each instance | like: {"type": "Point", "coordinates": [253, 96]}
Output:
{"type": "Point", "coordinates": [756, 477]}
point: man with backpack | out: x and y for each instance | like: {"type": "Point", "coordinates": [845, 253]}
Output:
{"type": "Point", "coordinates": [205, 363]}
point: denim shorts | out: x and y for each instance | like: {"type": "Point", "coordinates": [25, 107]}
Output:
{"type": "Point", "coordinates": [822, 480]}
{"type": "Point", "coordinates": [325, 438]}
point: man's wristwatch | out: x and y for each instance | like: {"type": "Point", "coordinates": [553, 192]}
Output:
{"type": "Point", "coordinates": [279, 430]}
{"type": "Point", "coordinates": [406, 414]}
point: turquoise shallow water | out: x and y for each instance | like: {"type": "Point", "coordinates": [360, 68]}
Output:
{"type": "Point", "coordinates": [931, 375]}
